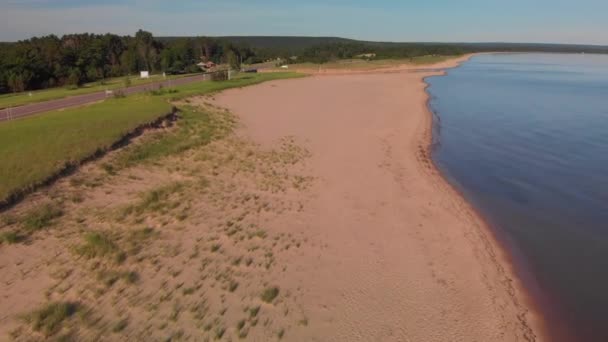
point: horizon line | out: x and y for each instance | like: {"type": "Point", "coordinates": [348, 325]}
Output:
{"type": "Point", "coordinates": [325, 37]}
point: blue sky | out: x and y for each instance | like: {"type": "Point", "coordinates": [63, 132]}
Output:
{"type": "Point", "coordinates": [555, 21]}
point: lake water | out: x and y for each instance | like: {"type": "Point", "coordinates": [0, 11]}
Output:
{"type": "Point", "coordinates": [525, 138]}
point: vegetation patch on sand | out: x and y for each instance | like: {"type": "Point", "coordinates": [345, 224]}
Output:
{"type": "Point", "coordinates": [49, 319]}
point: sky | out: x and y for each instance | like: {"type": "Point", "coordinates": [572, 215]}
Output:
{"type": "Point", "coordinates": [544, 21]}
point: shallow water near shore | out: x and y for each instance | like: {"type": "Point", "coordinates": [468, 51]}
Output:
{"type": "Point", "coordinates": [525, 138]}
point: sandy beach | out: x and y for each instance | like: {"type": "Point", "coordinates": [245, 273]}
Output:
{"type": "Point", "coordinates": [300, 210]}
{"type": "Point", "coordinates": [401, 256]}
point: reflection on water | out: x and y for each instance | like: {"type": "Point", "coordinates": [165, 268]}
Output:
{"type": "Point", "coordinates": [525, 138]}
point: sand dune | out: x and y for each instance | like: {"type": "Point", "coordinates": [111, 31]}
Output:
{"type": "Point", "coordinates": [399, 255]}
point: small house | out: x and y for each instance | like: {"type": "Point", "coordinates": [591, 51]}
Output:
{"type": "Point", "coordinates": [366, 55]}
{"type": "Point", "coordinates": [206, 66]}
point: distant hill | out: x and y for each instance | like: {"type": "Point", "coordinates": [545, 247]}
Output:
{"type": "Point", "coordinates": [298, 44]}
{"type": "Point", "coordinates": [295, 44]}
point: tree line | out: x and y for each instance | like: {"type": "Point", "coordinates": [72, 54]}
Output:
{"type": "Point", "coordinates": [78, 58]}
{"type": "Point", "coordinates": [74, 59]}
{"type": "Point", "coordinates": [323, 53]}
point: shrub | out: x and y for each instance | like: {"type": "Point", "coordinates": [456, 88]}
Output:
{"type": "Point", "coordinates": [221, 75]}
{"type": "Point", "coordinates": [74, 78]}
{"type": "Point", "coordinates": [162, 91]}
{"type": "Point", "coordinates": [119, 94]}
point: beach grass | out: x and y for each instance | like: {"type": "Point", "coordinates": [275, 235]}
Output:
{"type": "Point", "coordinates": [23, 98]}
{"type": "Point", "coordinates": [50, 318]}
{"type": "Point", "coordinates": [35, 148]}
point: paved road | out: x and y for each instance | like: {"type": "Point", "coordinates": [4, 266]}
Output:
{"type": "Point", "coordinates": [79, 100]}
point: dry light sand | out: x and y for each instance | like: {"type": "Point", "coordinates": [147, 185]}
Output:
{"type": "Point", "coordinates": [404, 257]}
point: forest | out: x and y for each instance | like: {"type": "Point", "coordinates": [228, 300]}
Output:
{"type": "Point", "coordinates": [78, 58]}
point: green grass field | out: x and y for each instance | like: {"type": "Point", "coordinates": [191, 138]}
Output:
{"type": "Point", "coordinates": [33, 149]}
{"type": "Point", "coordinates": [19, 99]}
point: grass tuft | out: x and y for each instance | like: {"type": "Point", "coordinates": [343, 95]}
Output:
{"type": "Point", "coordinates": [253, 312]}
{"type": "Point", "coordinates": [10, 238]}
{"type": "Point", "coordinates": [233, 286]}
{"type": "Point", "coordinates": [50, 318]}
{"type": "Point", "coordinates": [120, 325]}
{"type": "Point", "coordinates": [219, 332]}
{"type": "Point", "coordinates": [154, 200]}
{"type": "Point", "coordinates": [109, 278]}
{"type": "Point", "coordinates": [97, 244]}
{"type": "Point", "coordinates": [269, 294]}
{"type": "Point", "coordinates": [41, 217]}
{"type": "Point", "coordinates": [240, 324]}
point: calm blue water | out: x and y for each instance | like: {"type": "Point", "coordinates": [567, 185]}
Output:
{"type": "Point", "coordinates": [525, 138]}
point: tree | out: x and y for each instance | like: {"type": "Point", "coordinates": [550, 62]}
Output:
{"type": "Point", "coordinates": [233, 60]}
{"type": "Point", "coordinates": [16, 83]}
{"type": "Point", "coordinates": [73, 59]}
{"type": "Point", "coordinates": [144, 43]}
{"type": "Point", "coordinates": [75, 78]}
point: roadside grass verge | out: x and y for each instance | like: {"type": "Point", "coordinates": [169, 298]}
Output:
{"type": "Point", "coordinates": [38, 148]}
{"type": "Point", "coordinates": [23, 98]}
